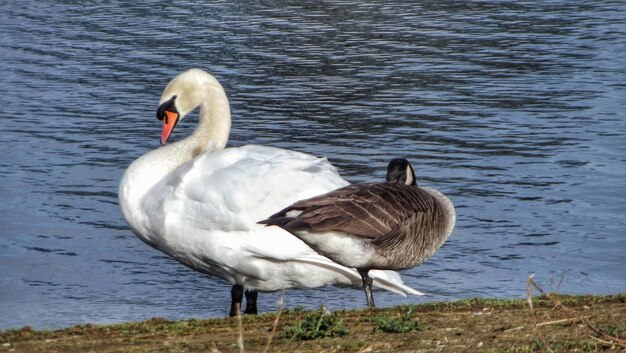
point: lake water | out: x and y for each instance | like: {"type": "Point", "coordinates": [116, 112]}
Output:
{"type": "Point", "coordinates": [515, 110]}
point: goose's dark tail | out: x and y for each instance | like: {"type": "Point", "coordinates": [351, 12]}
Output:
{"type": "Point", "coordinates": [276, 221]}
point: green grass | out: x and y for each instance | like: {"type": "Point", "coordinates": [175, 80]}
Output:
{"type": "Point", "coordinates": [614, 331]}
{"type": "Point", "coordinates": [402, 324]}
{"type": "Point", "coordinates": [318, 324]}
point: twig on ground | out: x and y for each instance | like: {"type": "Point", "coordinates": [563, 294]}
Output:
{"type": "Point", "coordinates": [529, 294]}
{"type": "Point", "coordinates": [561, 321]}
{"type": "Point", "coordinates": [608, 343]}
{"type": "Point", "coordinates": [557, 303]}
{"type": "Point", "coordinates": [278, 312]}
{"type": "Point", "coordinates": [573, 319]}
{"type": "Point", "coordinates": [240, 337]}
{"type": "Point", "coordinates": [514, 329]}
{"type": "Point", "coordinates": [366, 348]}
{"type": "Point", "coordinates": [214, 348]}
{"type": "Point", "coordinates": [615, 340]}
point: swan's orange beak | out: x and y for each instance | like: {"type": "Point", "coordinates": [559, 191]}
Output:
{"type": "Point", "coordinates": [169, 121]}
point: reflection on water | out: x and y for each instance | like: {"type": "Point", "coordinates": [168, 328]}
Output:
{"type": "Point", "coordinates": [514, 110]}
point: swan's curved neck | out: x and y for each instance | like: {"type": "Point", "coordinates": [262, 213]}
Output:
{"type": "Point", "coordinates": [211, 134]}
{"type": "Point", "coordinates": [213, 123]}
{"type": "Point", "coordinates": [213, 127]}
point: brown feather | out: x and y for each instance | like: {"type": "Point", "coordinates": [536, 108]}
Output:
{"type": "Point", "coordinates": [369, 210]}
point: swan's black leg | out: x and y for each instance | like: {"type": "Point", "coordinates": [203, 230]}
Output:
{"type": "Point", "coordinates": [251, 302]}
{"type": "Point", "coordinates": [236, 297]}
{"type": "Point", "coordinates": [367, 287]}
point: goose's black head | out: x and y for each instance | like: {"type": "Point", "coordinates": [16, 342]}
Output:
{"type": "Point", "coordinates": [400, 171]}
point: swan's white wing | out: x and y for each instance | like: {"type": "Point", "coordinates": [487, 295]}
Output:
{"type": "Point", "coordinates": [205, 212]}
{"type": "Point", "coordinates": [234, 188]}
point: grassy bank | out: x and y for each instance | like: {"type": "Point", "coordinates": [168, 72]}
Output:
{"type": "Point", "coordinates": [554, 323]}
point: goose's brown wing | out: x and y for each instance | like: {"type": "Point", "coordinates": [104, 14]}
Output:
{"type": "Point", "coordinates": [368, 210]}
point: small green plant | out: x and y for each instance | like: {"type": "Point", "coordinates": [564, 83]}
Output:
{"type": "Point", "coordinates": [318, 324]}
{"type": "Point", "coordinates": [537, 345]}
{"type": "Point", "coordinates": [613, 331]}
{"type": "Point", "coordinates": [396, 325]}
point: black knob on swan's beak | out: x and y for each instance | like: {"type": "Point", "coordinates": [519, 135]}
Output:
{"type": "Point", "coordinates": [169, 105]}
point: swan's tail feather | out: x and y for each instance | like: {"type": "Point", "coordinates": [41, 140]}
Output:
{"type": "Point", "coordinates": [391, 281]}
{"type": "Point", "coordinates": [387, 280]}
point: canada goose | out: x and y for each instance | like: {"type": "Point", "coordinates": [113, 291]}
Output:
{"type": "Point", "coordinates": [198, 201]}
{"type": "Point", "coordinates": [385, 226]}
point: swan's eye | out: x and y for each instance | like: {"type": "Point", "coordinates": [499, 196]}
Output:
{"type": "Point", "coordinates": [166, 106]}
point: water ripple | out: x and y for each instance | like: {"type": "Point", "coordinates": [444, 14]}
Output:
{"type": "Point", "coordinates": [513, 109]}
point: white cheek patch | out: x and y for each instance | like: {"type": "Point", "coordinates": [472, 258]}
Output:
{"type": "Point", "coordinates": [409, 176]}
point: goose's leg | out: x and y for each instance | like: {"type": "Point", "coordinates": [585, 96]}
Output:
{"type": "Point", "coordinates": [367, 286]}
{"type": "Point", "coordinates": [236, 297]}
{"type": "Point", "coordinates": [251, 302]}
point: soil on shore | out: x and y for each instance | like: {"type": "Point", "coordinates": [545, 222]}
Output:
{"type": "Point", "coordinates": [556, 323]}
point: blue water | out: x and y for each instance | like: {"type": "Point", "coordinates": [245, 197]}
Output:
{"type": "Point", "coordinates": [515, 110]}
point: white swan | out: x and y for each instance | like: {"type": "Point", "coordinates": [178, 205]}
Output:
{"type": "Point", "coordinates": [199, 202]}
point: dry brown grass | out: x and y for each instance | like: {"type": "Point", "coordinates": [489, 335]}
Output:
{"type": "Point", "coordinates": [545, 323]}
{"type": "Point", "coordinates": [577, 316]}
